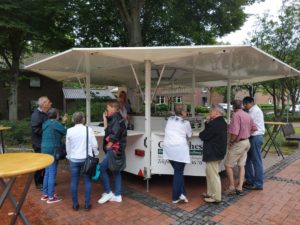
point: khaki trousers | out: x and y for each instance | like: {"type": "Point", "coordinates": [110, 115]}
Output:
{"type": "Point", "coordinates": [213, 180]}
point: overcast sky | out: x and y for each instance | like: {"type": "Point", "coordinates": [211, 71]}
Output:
{"type": "Point", "coordinates": [239, 36]}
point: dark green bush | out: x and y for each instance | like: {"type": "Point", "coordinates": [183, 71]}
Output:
{"type": "Point", "coordinates": [162, 108]}
{"type": "Point", "coordinates": [201, 109]}
{"type": "Point", "coordinates": [285, 117]}
{"type": "Point", "coordinates": [266, 107]}
{"type": "Point", "coordinates": [20, 132]}
{"type": "Point", "coordinates": [97, 109]}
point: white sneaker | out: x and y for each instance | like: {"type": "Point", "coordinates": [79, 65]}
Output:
{"type": "Point", "coordinates": [116, 199]}
{"type": "Point", "coordinates": [105, 197]}
{"type": "Point", "coordinates": [182, 197]}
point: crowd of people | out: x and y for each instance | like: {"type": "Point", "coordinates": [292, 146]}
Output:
{"type": "Point", "coordinates": [237, 143]}
{"type": "Point", "coordinates": [80, 141]}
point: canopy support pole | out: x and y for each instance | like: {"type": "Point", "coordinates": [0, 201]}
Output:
{"type": "Point", "coordinates": [148, 120]}
{"type": "Point", "coordinates": [228, 99]}
{"type": "Point", "coordinates": [229, 87]}
{"type": "Point", "coordinates": [158, 82]}
{"type": "Point", "coordinates": [88, 89]}
{"type": "Point", "coordinates": [193, 89]}
{"type": "Point", "coordinates": [137, 81]}
{"type": "Point", "coordinates": [172, 97]}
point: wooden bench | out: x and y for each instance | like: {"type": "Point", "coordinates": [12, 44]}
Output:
{"type": "Point", "coordinates": [290, 134]}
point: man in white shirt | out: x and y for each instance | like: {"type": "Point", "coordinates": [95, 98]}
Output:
{"type": "Point", "coordinates": [254, 170]}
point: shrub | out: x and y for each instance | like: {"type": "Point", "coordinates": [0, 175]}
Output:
{"type": "Point", "coordinates": [162, 108]}
{"type": "Point", "coordinates": [20, 132]}
{"type": "Point", "coordinates": [97, 109]}
{"type": "Point", "coordinates": [201, 109]}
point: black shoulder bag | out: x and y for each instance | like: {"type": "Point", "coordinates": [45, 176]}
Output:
{"type": "Point", "coordinates": [90, 164]}
{"type": "Point", "coordinates": [59, 150]}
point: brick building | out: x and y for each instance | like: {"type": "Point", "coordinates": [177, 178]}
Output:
{"type": "Point", "coordinates": [31, 87]}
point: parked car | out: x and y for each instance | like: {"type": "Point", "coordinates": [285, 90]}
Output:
{"type": "Point", "coordinates": [224, 105]}
{"type": "Point", "coordinates": [297, 108]}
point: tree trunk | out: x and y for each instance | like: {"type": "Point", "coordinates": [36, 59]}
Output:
{"type": "Point", "coordinates": [13, 99]}
{"type": "Point", "coordinates": [130, 14]}
{"type": "Point", "coordinates": [15, 42]}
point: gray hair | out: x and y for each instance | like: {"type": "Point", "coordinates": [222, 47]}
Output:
{"type": "Point", "coordinates": [42, 100]}
{"type": "Point", "coordinates": [237, 104]}
{"type": "Point", "coordinates": [217, 108]}
{"type": "Point", "coordinates": [78, 117]}
{"type": "Point", "coordinates": [52, 113]}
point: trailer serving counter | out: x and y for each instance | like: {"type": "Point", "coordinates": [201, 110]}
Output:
{"type": "Point", "coordinates": [140, 160]}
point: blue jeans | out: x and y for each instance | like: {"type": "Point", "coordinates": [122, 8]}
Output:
{"type": "Point", "coordinates": [254, 169]}
{"type": "Point", "coordinates": [178, 180]}
{"type": "Point", "coordinates": [49, 179]}
{"type": "Point", "coordinates": [105, 178]}
{"type": "Point", "coordinates": [75, 175]}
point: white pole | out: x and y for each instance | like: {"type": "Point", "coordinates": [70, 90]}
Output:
{"type": "Point", "coordinates": [172, 97]}
{"type": "Point", "coordinates": [148, 117]}
{"type": "Point", "coordinates": [87, 88]}
{"type": "Point", "coordinates": [193, 93]}
{"type": "Point", "coordinates": [229, 86]}
{"type": "Point", "coordinates": [228, 99]}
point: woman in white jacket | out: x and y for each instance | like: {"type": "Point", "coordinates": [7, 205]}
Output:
{"type": "Point", "coordinates": [176, 149]}
{"type": "Point", "coordinates": [76, 154]}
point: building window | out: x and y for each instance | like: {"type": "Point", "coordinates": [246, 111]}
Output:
{"type": "Point", "coordinates": [177, 99]}
{"type": "Point", "coordinates": [35, 82]}
{"type": "Point", "coordinates": [160, 99]}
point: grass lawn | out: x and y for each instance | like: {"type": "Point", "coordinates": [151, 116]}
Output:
{"type": "Point", "coordinates": [287, 147]}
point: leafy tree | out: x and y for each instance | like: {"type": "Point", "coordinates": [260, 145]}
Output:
{"type": "Point", "coordinates": [281, 38]}
{"type": "Point", "coordinates": [28, 25]}
{"type": "Point", "coordinates": [153, 23]}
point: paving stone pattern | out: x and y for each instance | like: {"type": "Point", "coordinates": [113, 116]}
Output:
{"type": "Point", "coordinates": [138, 207]}
{"type": "Point", "coordinates": [204, 213]}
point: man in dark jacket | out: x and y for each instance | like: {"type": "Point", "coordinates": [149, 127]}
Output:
{"type": "Point", "coordinates": [38, 117]}
{"type": "Point", "coordinates": [214, 137]}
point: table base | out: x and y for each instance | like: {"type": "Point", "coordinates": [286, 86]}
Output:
{"type": "Point", "coordinates": [271, 141]}
{"type": "Point", "coordinates": [7, 186]}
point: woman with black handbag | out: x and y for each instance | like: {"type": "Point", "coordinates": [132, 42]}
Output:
{"type": "Point", "coordinates": [114, 145]}
{"type": "Point", "coordinates": [53, 131]}
{"type": "Point", "coordinates": [80, 143]}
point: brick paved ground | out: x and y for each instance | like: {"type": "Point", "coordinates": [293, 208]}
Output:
{"type": "Point", "coordinates": [278, 203]}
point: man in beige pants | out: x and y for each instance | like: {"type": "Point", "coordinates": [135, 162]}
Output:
{"type": "Point", "coordinates": [214, 137]}
{"type": "Point", "coordinates": [240, 129]}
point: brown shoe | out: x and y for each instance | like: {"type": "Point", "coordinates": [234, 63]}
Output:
{"type": "Point", "coordinates": [239, 192]}
{"type": "Point", "coordinates": [230, 191]}
{"type": "Point", "coordinates": [253, 187]}
{"type": "Point", "coordinates": [211, 200]}
{"type": "Point", "coordinates": [205, 195]}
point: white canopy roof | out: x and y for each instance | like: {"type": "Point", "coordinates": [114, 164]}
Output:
{"type": "Point", "coordinates": [212, 65]}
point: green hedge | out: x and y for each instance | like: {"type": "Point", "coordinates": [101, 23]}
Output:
{"type": "Point", "coordinates": [97, 109]}
{"type": "Point", "coordinates": [266, 107]}
{"type": "Point", "coordinates": [290, 118]}
{"type": "Point", "coordinates": [20, 132]}
{"type": "Point", "coordinates": [201, 109]}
